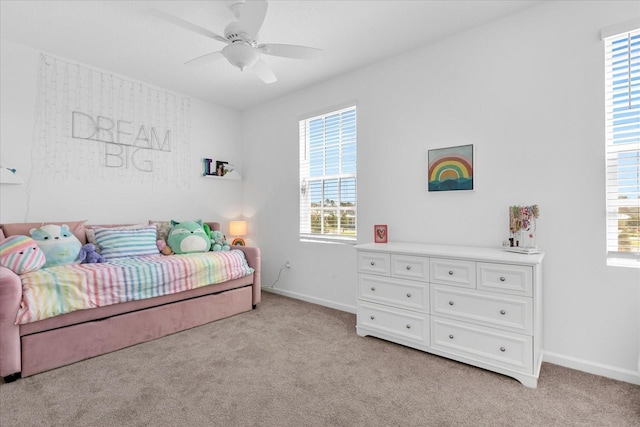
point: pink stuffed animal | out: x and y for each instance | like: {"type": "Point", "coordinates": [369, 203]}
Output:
{"type": "Point", "coordinates": [164, 248]}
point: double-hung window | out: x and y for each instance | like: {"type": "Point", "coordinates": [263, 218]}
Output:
{"type": "Point", "coordinates": [622, 92]}
{"type": "Point", "coordinates": [328, 179]}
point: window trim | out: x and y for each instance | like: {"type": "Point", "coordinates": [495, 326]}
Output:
{"type": "Point", "coordinates": [615, 257]}
{"type": "Point", "coordinates": [304, 181]}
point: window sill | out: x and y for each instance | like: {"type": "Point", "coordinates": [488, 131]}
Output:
{"type": "Point", "coordinates": [613, 261]}
{"type": "Point", "coordinates": [329, 240]}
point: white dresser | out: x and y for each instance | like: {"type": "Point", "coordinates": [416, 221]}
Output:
{"type": "Point", "coordinates": [479, 306]}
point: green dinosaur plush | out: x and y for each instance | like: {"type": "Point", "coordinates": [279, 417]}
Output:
{"type": "Point", "coordinates": [188, 237]}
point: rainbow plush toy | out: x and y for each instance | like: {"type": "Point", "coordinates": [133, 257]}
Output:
{"type": "Point", "coordinates": [21, 254]}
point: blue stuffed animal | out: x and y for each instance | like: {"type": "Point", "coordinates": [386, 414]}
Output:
{"type": "Point", "coordinates": [58, 243]}
{"type": "Point", "coordinates": [89, 255]}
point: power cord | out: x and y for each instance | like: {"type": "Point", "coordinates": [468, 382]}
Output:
{"type": "Point", "coordinates": [274, 283]}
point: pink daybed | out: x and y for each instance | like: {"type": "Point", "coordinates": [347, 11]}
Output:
{"type": "Point", "coordinates": [31, 348]}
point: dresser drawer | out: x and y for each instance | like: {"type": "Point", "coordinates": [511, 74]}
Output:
{"type": "Point", "coordinates": [374, 263]}
{"type": "Point", "coordinates": [396, 325]}
{"type": "Point", "coordinates": [501, 348]}
{"type": "Point", "coordinates": [396, 292]}
{"type": "Point", "coordinates": [453, 272]}
{"type": "Point", "coordinates": [410, 267]}
{"type": "Point", "coordinates": [511, 313]}
{"type": "Point", "coordinates": [505, 278]}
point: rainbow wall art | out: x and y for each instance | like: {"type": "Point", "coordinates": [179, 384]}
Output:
{"type": "Point", "coordinates": [451, 168]}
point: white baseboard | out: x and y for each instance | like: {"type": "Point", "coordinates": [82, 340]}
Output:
{"type": "Point", "coordinates": [603, 370]}
{"type": "Point", "coordinates": [314, 300]}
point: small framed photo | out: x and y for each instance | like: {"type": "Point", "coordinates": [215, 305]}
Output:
{"type": "Point", "coordinates": [220, 168]}
{"type": "Point", "coordinates": [380, 233]}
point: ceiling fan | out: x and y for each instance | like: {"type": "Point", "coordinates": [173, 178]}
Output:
{"type": "Point", "coordinates": [242, 49]}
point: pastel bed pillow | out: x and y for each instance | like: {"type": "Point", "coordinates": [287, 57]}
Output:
{"type": "Point", "coordinates": [120, 242]}
{"type": "Point", "coordinates": [164, 227]}
{"type": "Point", "coordinates": [91, 235]}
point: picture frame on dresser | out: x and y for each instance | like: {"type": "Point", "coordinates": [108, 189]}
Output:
{"type": "Point", "coordinates": [380, 233]}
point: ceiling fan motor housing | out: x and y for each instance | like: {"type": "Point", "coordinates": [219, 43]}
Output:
{"type": "Point", "coordinates": [235, 33]}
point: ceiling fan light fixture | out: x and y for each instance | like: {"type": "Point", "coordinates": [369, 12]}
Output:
{"type": "Point", "coordinates": [240, 55]}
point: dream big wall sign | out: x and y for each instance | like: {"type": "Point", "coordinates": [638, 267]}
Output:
{"type": "Point", "coordinates": [92, 125]}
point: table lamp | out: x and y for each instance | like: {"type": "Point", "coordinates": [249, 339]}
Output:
{"type": "Point", "coordinates": [238, 229]}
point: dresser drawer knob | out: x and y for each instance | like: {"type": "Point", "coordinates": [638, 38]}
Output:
{"type": "Point", "coordinates": [450, 302]}
{"type": "Point", "coordinates": [502, 278]}
{"type": "Point", "coordinates": [408, 295]}
{"type": "Point", "coordinates": [450, 273]}
{"type": "Point", "coordinates": [503, 312]}
{"type": "Point", "coordinates": [450, 336]}
{"type": "Point", "coordinates": [372, 317]}
{"type": "Point", "coordinates": [408, 267]}
{"type": "Point", "coordinates": [502, 349]}
{"type": "Point", "coordinates": [373, 263]}
{"type": "Point", "coordinates": [408, 326]}
{"type": "Point", "coordinates": [373, 288]}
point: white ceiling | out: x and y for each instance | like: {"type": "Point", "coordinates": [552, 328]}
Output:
{"type": "Point", "coordinates": [125, 38]}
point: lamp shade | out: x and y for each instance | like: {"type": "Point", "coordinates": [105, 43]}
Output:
{"type": "Point", "coordinates": [238, 228]}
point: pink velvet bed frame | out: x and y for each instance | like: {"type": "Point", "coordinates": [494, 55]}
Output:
{"type": "Point", "coordinates": [51, 343]}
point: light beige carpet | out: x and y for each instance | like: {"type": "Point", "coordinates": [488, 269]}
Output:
{"type": "Point", "coordinates": [291, 363]}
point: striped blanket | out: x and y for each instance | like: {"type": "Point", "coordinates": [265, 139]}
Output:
{"type": "Point", "coordinates": [58, 290]}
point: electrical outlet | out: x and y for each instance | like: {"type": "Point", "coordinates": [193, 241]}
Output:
{"type": "Point", "coordinates": [287, 264]}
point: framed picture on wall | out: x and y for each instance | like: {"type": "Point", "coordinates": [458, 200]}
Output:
{"type": "Point", "coordinates": [220, 168]}
{"type": "Point", "coordinates": [380, 233]}
{"type": "Point", "coordinates": [451, 168]}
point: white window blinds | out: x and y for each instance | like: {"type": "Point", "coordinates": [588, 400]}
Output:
{"type": "Point", "coordinates": [328, 176]}
{"type": "Point", "coordinates": [622, 92]}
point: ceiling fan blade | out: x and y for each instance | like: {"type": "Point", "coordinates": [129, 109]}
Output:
{"type": "Point", "coordinates": [252, 16]}
{"type": "Point", "coordinates": [263, 71]}
{"type": "Point", "coordinates": [290, 51]}
{"type": "Point", "coordinates": [204, 59]}
{"type": "Point", "coordinates": [188, 25]}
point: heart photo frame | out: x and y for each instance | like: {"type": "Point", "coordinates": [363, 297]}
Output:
{"type": "Point", "coordinates": [380, 233]}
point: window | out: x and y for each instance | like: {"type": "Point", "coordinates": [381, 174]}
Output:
{"type": "Point", "coordinates": [622, 93]}
{"type": "Point", "coordinates": [328, 176]}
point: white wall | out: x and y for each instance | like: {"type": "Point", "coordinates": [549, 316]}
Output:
{"type": "Point", "coordinates": [215, 133]}
{"type": "Point", "coordinates": [527, 91]}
